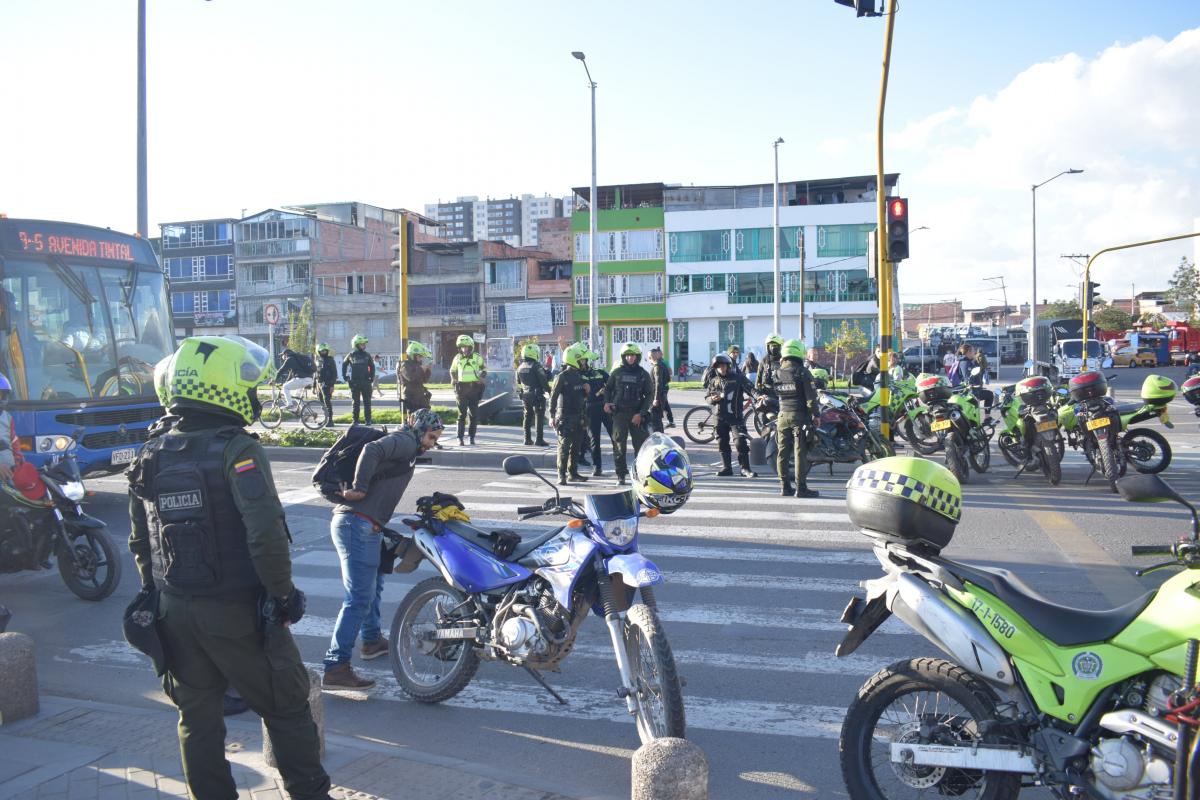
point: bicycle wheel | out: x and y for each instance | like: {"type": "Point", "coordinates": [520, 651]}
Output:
{"type": "Point", "coordinates": [272, 414]}
{"type": "Point", "coordinates": [312, 416]}
{"type": "Point", "coordinates": [699, 425]}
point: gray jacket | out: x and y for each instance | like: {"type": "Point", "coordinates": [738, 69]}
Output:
{"type": "Point", "coordinates": [383, 495]}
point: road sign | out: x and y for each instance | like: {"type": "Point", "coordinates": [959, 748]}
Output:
{"type": "Point", "coordinates": [271, 314]}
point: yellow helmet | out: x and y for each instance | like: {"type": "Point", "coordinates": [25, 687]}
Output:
{"type": "Point", "coordinates": [219, 373]}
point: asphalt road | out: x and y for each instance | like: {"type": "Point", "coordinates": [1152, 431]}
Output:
{"type": "Point", "coordinates": [756, 583]}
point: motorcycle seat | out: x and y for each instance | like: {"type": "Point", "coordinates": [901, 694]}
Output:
{"type": "Point", "coordinates": [1128, 408]}
{"type": "Point", "coordinates": [1063, 625]}
{"type": "Point", "coordinates": [530, 540]}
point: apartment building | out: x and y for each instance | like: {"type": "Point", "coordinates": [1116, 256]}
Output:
{"type": "Point", "coordinates": [198, 257]}
{"type": "Point", "coordinates": [512, 220]}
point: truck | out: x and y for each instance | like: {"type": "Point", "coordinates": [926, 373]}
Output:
{"type": "Point", "coordinates": [1051, 331]}
{"type": "Point", "coordinates": [1182, 340]}
{"type": "Point", "coordinates": [1066, 358]}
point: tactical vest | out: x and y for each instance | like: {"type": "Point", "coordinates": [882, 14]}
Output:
{"type": "Point", "coordinates": [629, 388]}
{"type": "Point", "coordinates": [197, 537]}
{"type": "Point", "coordinates": [790, 387]}
{"type": "Point", "coordinates": [571, 391]}
{"type": "Point", "coordinates": [596, 379]}
{"type": "Point", "coordinates": [468, 367]}
{"type": "Point", "coordinates": [360, 366]}
{"type": "Point", "coordinates": [527, 376]}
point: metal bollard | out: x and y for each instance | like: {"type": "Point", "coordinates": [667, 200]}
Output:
{"type": "Point", "coordinates": [18, 678]}
{"type": "Point", "coordinates": [670, 769]}
{"type": "Point", "coordinates": [318, 715]}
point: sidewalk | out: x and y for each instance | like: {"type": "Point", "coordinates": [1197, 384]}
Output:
{"type": "Point", "coordinates": [82, 750]}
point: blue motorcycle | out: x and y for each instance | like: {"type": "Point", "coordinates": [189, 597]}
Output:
{"type": "Point", "coordinates": [521, 599]}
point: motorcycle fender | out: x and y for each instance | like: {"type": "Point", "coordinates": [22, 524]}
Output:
{"type": "Point", "coordinates": [952, 629]}
{"type": "Point", "coordinates": [635, 570]}
{"type": "Point", "coordinates": [864, 616]}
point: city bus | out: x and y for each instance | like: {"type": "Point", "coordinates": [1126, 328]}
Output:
{"type": "Point", "coordinates": [84, 317]}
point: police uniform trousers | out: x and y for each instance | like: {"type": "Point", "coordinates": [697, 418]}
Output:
{"type": "Point", "coordinates": [535, 409]}
{"type": "Point", "coordinates": [727, 428]}
{"type": "Point", "coordinates": [469, 395]}
{"type": "Point", "coordinates": [570, 429]}
{"type": "Point", "coordinates": [360, 393]}
{"type": "Point", "coordinates": [596, 420]}
{"type": "Point", "coordinates": [326, 392]}
{"type": "Point", "coordinates": [622, 426]}
{"type": "Point", "coordinates": [214, 642]}
{"type": "Point", "coordinates": [792, 436]}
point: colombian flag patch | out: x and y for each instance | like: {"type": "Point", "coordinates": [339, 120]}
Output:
{"type": "Point", "coordinates": [245, 466]}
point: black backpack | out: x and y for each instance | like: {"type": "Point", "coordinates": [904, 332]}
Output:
{"type": "Point", "coordinates": [335, 472]}
{"type": "Point", "coordinates": [307, 366]}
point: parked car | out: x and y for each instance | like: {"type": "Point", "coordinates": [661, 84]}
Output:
{"type": "Point", "coordinates": [1131, 356]}
{"type": "Point", "coordinates": [914, 363]}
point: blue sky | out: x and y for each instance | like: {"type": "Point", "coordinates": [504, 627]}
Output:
{"type": "Point", "coordinates": [260, 102]}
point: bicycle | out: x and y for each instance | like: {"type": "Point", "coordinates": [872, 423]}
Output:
{"type": "Point", "coordinates": [310, 412]}
{"type": "Point", "coordinates": [700, 424]}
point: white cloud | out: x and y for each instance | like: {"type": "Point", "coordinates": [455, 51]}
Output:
{"type": "Point", "coordinates": [1129, 117]}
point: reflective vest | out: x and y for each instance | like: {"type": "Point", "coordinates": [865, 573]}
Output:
{"type": "Point", "coordinates": [469, 368]}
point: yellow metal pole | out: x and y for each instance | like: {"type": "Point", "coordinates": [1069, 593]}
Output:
{"type": "Point", "coordinates": [884, 272]}
{"type": "Point", "coordinates": [1087, 278]}
{"type": "Point", "coordinates": [403, 284]}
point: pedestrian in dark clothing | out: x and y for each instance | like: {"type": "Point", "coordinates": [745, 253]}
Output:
{"type": "Point", "coordinates": [326, 379]}
{"type": "Point", "coordinates": [358, 371]}
{"type": "Point", "coordinates": [660, 383]}
{"type": "Point", "coordinates": [797, 409]}
{"type": "Point", "coordinates": [413, 375]}
{"type": "Point", "coordinates": [532, 384]}
{"type": "Point", "coordinates": [629, 392]}
{"type": "Point", "coordinates": [567, 404]}
{"type": "Point", "coordinates": [726, 390]}
{"type": "Point", "coordinates": [211, 547]}
{"type": "Point", "coordinates": [597, 418]}
{"type": "Point", "coordinates": [384, 468]}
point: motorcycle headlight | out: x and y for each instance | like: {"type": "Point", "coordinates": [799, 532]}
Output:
{"type": "Point", "coordinates": [73, 490]}
{"type": "Point", "coordinates": [619, 532]}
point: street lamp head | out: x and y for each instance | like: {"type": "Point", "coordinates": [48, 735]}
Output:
{"type": "Point", "coordinates": [1074, 171]}
{"type": "Point", "coordinates": [779, 140]}
{"type": "Point", "coordinates": [578, 54]}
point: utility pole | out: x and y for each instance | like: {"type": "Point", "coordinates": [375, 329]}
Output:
{"type": "Point", "coordinates": [775, 243]}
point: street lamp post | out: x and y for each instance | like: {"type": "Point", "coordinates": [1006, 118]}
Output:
{"type": "Point", "coordinates": [1033, 338]}
{"type": "Point", "coordinates": [593, 209]}
{"type": "Point", "coordinates": [775, 239]}
{"type": "Point", "coordinates": [143, 216]}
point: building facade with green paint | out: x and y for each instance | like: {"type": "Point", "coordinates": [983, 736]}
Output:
{"type": "Point", "coordinates": [630, 256]}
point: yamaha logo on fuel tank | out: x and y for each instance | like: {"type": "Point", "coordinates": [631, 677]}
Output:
{"type": "Point", "coordinates": [180, 501]}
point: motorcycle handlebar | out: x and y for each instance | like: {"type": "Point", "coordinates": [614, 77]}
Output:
{"type": "Point", "coordinates": [1151, 550]}
{"type": "Point", "coordinates": [529, 509]}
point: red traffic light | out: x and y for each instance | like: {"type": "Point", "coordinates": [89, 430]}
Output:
{"type": "Point", "coordinates": [898, 208]}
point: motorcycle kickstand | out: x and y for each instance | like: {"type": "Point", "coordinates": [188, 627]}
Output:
{"type": "Point", "coordinates": [1089, 477]}
{"type": "Point", "coordinates": [537, 676]}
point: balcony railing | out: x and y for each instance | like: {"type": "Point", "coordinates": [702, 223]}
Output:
{"type": "Point", "coordinates": [809, 297]}
{"type": "Point", "coordinates": [507, 288]}
{"type": "Point", "coordinates": [612, 300]}
{"type": "Point", "coordinates": [444, 311]}
{"type": "Point", "coordinates": [274, 247]}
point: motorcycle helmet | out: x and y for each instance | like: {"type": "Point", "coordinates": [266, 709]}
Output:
{"type": "Point", "coordinates": [359, 341]}
{"type": "Point", "coordinates": [774, 344]}
{"type": "Point", "coordinates": [322, 348]}
{"type": "Point", "coordinates": [820, 377]}
{"type": "Point", "coordinates": [721, 358]}
{"type": "Point", "coordinates": [1158, 390]}
{"type": "Point", "coordinates": [591, 356]}
{"type": "Point", "coordinates": [794, 348]}
{"type": "Point", "coordinates": [911, 499]}
{"type": "Point", "coordinates": [1191, 392]}
{"type": "Point", "coordinates": [464, 341]}
{"type": "Point", "coordinates": [531, 351]}
{"type": "Point", "coordinates": [6, 391]}
{"type": "Point", "coordinates": [631, 349]}
{"type": "Point", "coordinates": [218, 373]}
{"type": "Point", "coordinates": [573, 356]}
{"type": "Point", "coordinates": [662, 476]}
{"type": "Point", "coordinates": [416, 349]}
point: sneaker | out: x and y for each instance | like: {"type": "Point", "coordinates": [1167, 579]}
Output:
{"type": "Point", "coordinates": [343, 676]}
{"type": "Point", "coordinates": [748, 473]}
{"type": "Point", "coordinates": [374, 649]}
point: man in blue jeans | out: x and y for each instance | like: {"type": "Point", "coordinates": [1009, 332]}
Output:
{"type": "Point", "coordinates": [384, 469]}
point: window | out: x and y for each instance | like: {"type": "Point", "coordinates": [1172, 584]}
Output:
{"type": "Point", "coordinates": [641, 245]}
{"type": "Point", "coordinates": [842, 240]}
{"type": "Point", "coordinates": [708, 283]}
{"type": "Point", "coordinates": [615, 289]}
{"type": "Point", "coordinates": [730, 332]}
{"type": "Point", "coordinates": [558, 314]}
{"type": "Point", "coordinates": [179, 269]}
{"type": "Point", "coordinates": [183, 302]}
{"type": "Point", "coordinates": [216, 300]}
{"type": "Point", "coordinates": [496, 316]}
{"type": "Point", "coordinates": [335, 329]}
{"type": "Point", "coordinates": [644, 288]}
{"type": "Point", "coordinates": [258, 273]}
{"type": "Point", "coordinates": [756, 243]}
{"type": "Point", "coordinates": [680, 284]}
{"type": "Point", "coordinates": [508, 274]}
{"type": "Point", "coordinates": [378, 328]}
{"type": "Point", "coordinates": [297, 272]}
{"type": "Point", "coordinates": [692, 246]}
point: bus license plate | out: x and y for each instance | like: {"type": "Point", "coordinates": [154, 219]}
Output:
{"type": "Point", "coordinates": [941, 425]}
{"type": "Point", "coordinates": [1048, 425]}
{"type": "Point", "coordinates": [1102, 422]}
{"type": "Point", "coordinates": [124, 455]}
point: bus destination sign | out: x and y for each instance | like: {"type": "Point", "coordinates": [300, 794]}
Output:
{"type": "Point", "coordinates": [68, 241]}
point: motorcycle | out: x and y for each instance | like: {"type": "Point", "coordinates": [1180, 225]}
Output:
{"type": "Point", "coordinates": [957, 420]}
{"type": "Point", "coordinates": [1145, 449]}
{"type": "Point", "coordinates": [840, 434]}
{"type": "Point", "coordinates": [1029, 437]}
{"type": "Point", "coordinates": [521, 599]}
{"type": "Point", "coordinates": [54, 525]}
{"type": "Point", "coordinates": [1091, 421]}
{"type": "Point", "coordinates": [1032, 692]}
{"type": "Point", "coordinates": [908, 421]}
{"type": "Point", "coordinates": [1191, 393]}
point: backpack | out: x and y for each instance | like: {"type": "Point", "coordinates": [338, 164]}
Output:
{"type": "Point", "coordinates": [335, 471]}
{"type": "Point", "coordinates": [307, 366]}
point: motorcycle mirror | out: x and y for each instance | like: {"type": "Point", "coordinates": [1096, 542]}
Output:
{"type": "Point", "coordinates": [1148, 489]}
{"type": "Point", "coordinates": [518, 465]}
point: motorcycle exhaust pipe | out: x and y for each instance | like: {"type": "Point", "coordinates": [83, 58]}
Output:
{"type": "Point", "coordinates": [952, 629]}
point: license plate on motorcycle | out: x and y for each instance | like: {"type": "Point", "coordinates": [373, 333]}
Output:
{"type": "Point", "coordinates": [1102, 422]}
{"type": "Point", "coordinates": [124, 456]}
{"type": "Point", "coordinates": [941, 425]}
{"type": "Point", "coordinates": [1048, 425]}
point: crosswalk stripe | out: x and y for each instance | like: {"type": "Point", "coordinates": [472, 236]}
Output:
{"type": "Point", "coordinates": [697, 498]}
{"type": "Point", "coordinates": [736, 515]}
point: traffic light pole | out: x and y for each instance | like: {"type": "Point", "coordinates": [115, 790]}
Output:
{"type": "Point", "coordinates": [1087, 277]}
{"type": "Point", "coordinates": [884, 272]}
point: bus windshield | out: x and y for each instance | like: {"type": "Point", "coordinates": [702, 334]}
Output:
{"type": "Point", "coordinates": [74, 331]}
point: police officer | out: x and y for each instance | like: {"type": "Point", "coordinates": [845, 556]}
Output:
{"type": "Point", "coordinates": [358, 370]}
{"type": "Point", "coordinates": [567, 402]}
{"type": "Point", "coordinates": [469, 376]}
{"type": "Point", "coordinates": [725, 389]}
{"type": "Point", "coordinates": [763, 384]}
{"type": "Point", "coordinates": [326, 378]}
{"type": "Point", "coordinates": [797, 408]}
{"type": "Point", "coordinates": [532, 384]}
{"type": "Point", "coordinates": [597, 417]}
{"type": "Point", "coordinates": [660, 384]}
{"type": "Point", "coordinates": [208, 535]}
{"type": "Point", "coordinates": [413, 376]}
{"type": "Point", "coordinates": [629, 393]}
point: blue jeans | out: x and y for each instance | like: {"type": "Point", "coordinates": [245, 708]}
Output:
{"type": "Point", "coordinates": [358, 549]}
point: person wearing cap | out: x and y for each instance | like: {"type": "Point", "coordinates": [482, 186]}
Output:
{"type": "Point", "coordinates": [660, 382]}
{"type": "Point", "coordinates": [382, 473]}
{"type": "Point", "coordinates": [327, 374]}
{"type": "Point", "coordinates": [296, 375]}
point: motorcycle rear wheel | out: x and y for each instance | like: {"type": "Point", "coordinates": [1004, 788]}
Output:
{"type": "Point", "coordinates": [920, 437]}
{"type": "Point", "coordinates": [89, 564]}
{"type": "Point", "coordinates": [452, 663]}
{"type": "Point", "coordinates": [1146, 450]}
{"type": "Point", "coordinates": [1051, 466]}
{"type": "Point", "coordinates": [1108, 462]}
{"type": "Point", "coordinates": [981, 455]}
{"type": "Point", "coordinates": [925, 700]}
{"type": "Point", "coordinates": [659, 695]}
{"type": "Point", "coordinates": [699, 425]}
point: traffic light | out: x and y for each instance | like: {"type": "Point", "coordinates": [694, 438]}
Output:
{"type": "Point", "coordinates": [1089, 297]}
{"type": "Point", "coordinates": [864, 8]}
{"type": "Point", "coordinates": [897, 229]}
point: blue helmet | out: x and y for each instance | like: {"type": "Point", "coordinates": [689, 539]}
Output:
{"type": "Point", "coordinates": [6, 388]}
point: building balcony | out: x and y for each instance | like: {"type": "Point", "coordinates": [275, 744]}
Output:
{"type": "Point", "coordinates": [809, 297]}
{"type": "Point", "coordinates": [275, 248]}
{"type": "Point", "coordinates": [512, 289]}
{"type": "Point", "coordinates": [444, 316]}
{"type": "Point", "coordinates": [611, 300]}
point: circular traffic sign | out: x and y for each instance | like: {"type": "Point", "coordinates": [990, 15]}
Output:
{"type": "Point", "coordinates": [271, 314]}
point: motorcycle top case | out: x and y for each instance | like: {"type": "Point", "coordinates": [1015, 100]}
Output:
{"type": "Point", "coordinates": [1088, 386]}
{"type": "Point", "coordinates": [1191, 390]}
{"type": "Point", "coordinates": [933, 389]}
{"type": "Point", "coordinates": [1158, 390]}
{"type": "Point", "coordinates": [1034, 391]}
{"type": "Point", "coordinates": [911, 499]}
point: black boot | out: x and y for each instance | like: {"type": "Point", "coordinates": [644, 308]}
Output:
{"type": "Point", "coordinates": [621, 480]}
{"type": "Point", "coordinates": [744, 463]}
{"type": "Point", "coordinates": [788, 490]}
{"type": "Point", "coordinates": [562, 480]}
{"type": "Point", "coordinates": [596, 471]}
{"type": "Point", "coordinates": [575, 476]}
{"type": "Point", "coordinates": [472, 439]}
{"type": "Point", "coordinates": [528, 440]}
{"type": "Point", "coordinates": [805, 493]}
{"type": "Point", "coordinates": [541, 442]}
{"type": "Point", "coordinates": [461, 443]}
{"type": "Point", "coordinates": [727, 466]}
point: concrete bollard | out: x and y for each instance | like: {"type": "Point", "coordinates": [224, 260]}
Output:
{"type": "Point", "coordinates": [670, 769]}
{"type": "Point", "coordinates": [18, 678]}
{"type": "Point", "coordinates": [318, 714]}
{"type": "Point", "coordinates": [5, 616]}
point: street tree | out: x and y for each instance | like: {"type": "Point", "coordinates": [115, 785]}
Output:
{"type": "Point", "coordinates": [1153, 319]}
{"type": "Point", "coordinates": [1183, 290]}
{"type": "Point", "coordinates": [849, 340]}
{"type": "Point", "coordinates": [1111, 318]}
{"type": "Point", "coordinates": [301, 338]}
{"type": "Point", "coordinates": [1063, 309]}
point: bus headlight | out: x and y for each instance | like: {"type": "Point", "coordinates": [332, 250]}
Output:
{"type": "Point", "coordinates": [54, 444]}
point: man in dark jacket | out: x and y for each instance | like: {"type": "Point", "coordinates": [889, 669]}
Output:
{"type": "Point", "coordinates": [356, 528]}
{"type": "Point", "coordinates": [797, 408]}
{"type": "Point", "coordinates": [414, 374]}
{"type": "Point", "coordinates": [567, 403]}
{"type": "Point", "coordinates": [211, 547]}
{"type": "Point", "coordinates": [660, 383]}
{"type": "Point", "coordinates": [294, 376]}
{"type": "Point", "coordinates": [326, 378]}
{"type": "Point", "coordinates": [629, 394]}
{"type": "Point", "coordinates": [726, 390]}
{"type": "Point", "coordinates": [358, 371]}
{"type": "Point", "coordinates": [532, 385]}
{"type": "Point", "coordinates": [597, 418]}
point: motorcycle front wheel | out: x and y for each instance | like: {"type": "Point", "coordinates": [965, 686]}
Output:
{"type": "Point", "coordinates": [430, 670]}
{"type": "Point", "coordinates": [659, 696]}
{"type": "Point", "coordinates": [89, 563]}
{"type": "Point", "coordinates": [1146, 450]}
{"type": "Point", "coordinates": [923, 701]}
{"type": "Point", "coordinates": [956, 462]}
{"type": "Point", "coordinates": [1012, 451]}
{"type": "Point", "coordinates": [700, 425]}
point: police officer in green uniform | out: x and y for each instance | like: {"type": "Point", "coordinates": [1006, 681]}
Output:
{"type": "Point", "coordinates": [629, 394]}
{"type": "Point", "coordinates": [797, 408]}
{"type": "Point", "coordinates": [596, 417]}
{"type": "Point", "coordinates": [532, 384]}
{"type": "Point", "coordinates": [571, 391]}
{"type": "Point", "coordinates": [208, 534]}
{"type": "Point", "coordinates": [468, 374]}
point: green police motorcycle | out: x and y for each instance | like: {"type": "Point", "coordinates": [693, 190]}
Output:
{"type": "Point", "coordinates": [957, 420]}
{"type": "Point", "coordinates": [1029, 436]}
{"type": "Point", "coordinates": [1088, 703]}
{"type": "Point", "coordinates": [1145, 449]}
